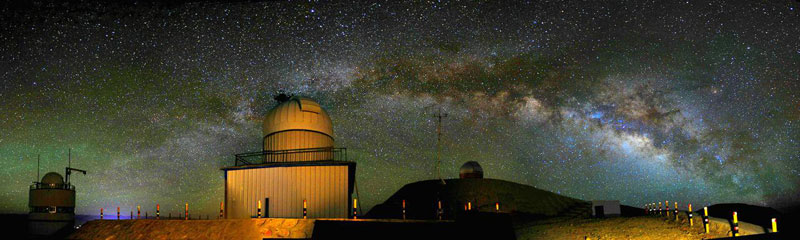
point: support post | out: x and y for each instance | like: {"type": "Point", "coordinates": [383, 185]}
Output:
{"type": "Point", "coordinates": [101, 214]}
{"type": "Point", "coordinates": [117, 213]}
{"type": "Point", "coordinates": [221, 206]}
{"type": "Point", "coordinates": [138, 211]}
{"type": "Point", "coordinates": [653, 209]}
{"type": "Point", "coordinates": [735, 224]}
{"type": "Point", "coordinates": [439, 211]}
{"type": "Point", "coordinates": [705, 219]}
{"type": "Point", "coordinates": [259, 208]}
{"type": "Point", "coordinates": [186, 212]}
{"type": "Point", "coordinates": [158, 211]}
{"type": "Point", "coordinates": [305, 209]}
{"type": "Point", "coordinates": [774, 225]}
{"type": "Point", "coordinates": [691, 221]}
{"type": "Point", "coordinates": [404, 209]}
{"type": "Point", "coordinates": [676, 211]}
{"type": "Point", "coordinates": [659, 208]}
{"type": "Point", "coordinates": [355, 208]}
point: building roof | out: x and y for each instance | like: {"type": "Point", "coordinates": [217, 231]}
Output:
{"type": "Point", "coordinates": [298, 113]}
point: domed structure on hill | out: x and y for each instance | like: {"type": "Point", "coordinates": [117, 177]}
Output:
{"type": "Point", "coordinates": [470, 169]}
{"type": "Point", "coordinates": [469, 195]}
{"type": "Point", "coordinates": [472, 193]}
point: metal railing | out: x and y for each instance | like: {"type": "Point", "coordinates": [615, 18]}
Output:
{"type": "Point", "coordinates": [39, 185]}
{"type": "Point", "coordinates": [291, 155]}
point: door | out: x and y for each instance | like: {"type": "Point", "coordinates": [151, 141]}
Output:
{"type": "Point", "coordinates": [266, 207]}
{"type": "Point", "coordinates": [599, 212]}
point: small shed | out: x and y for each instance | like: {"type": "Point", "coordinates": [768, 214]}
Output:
{"type": "Point", "coordinates": [605, 208]}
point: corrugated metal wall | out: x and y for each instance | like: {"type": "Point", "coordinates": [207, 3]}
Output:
{"type": "Point", "coordinates": [298, 139]}
{"type": "Point", "coordinates": [324, 187]}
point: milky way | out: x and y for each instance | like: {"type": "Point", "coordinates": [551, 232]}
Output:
{"type": "Point", "coordinates": [638, 101]}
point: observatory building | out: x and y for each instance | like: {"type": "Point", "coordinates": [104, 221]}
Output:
{"type": "Point", "coordinates": [298, 170]}
{"type": "Point", "coordinates": [51, 202]}
{"type": "Point", "coordinates": [52, 205]}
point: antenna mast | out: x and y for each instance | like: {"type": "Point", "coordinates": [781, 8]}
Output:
{"type": "Point", "coordinates": [70, 169]}
{"type": "Point", "coordinates": [38, 158]}
{"type": "Point", "coordinates": [439, 117]}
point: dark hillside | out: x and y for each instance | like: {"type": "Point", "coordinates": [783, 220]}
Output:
{"type": "Point", "coordinates": [514, 198]}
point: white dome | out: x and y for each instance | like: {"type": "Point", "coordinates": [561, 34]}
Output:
{"type": "Point", "coordinates": [298, 113]}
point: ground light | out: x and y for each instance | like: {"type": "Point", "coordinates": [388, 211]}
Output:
{"type": "Point", "coordinates": [355, 207]}
{"type": "Point", "coordinates": [705, 218]}
{"type": "Point", "coordinates": [735, 224]}
{"type": "Point", "coordinates": [774, 225]}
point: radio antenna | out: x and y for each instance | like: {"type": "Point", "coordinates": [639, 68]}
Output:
{"type": "Point", "coordinates": [439, 117]}
{"type": "Point", "coordinates": [70, 169]}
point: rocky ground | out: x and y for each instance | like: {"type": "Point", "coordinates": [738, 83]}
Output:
{"type": "Point", "coordinates": [643, 227]}
{"type": "Point", "coordinates": [196, 229]}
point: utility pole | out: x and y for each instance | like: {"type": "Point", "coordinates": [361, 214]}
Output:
{"type": "Point", "coordinates": [439, 117]}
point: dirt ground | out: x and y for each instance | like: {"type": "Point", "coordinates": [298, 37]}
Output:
{"type": "Point", "coordinates": [644, 227]}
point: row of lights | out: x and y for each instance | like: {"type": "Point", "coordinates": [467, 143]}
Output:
{"type": "Point", "coordinates": [439, 211]}
{"type": "Point", "coordinates": [467, 207]}
{"type": "Point", "coordinates": [158, 212]}
{"type": "Point", "coordinates": [305, 209]}
{"type": "Point", "coordinates": [651, 209]}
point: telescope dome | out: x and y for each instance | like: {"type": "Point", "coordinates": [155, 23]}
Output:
{"type": "Point", "coordinates": [297, 123]}
{"type": "Point", "coordinates": [53, 179]}
{"type": "Point", "coordinates": [471, 169]}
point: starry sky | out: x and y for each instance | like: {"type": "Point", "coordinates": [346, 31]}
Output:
{"type": "Point", "coordinates": [641, 101]}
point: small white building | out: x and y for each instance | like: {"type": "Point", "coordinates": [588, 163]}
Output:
{"type": "Point", "coordinates": [606, 208]}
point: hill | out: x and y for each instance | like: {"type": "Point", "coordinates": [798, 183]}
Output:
{"type": "Point", "coordinates": [519, 200]}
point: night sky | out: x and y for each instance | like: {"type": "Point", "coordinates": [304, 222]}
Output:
{"type": "Point", "coordinates": [689, 101]}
